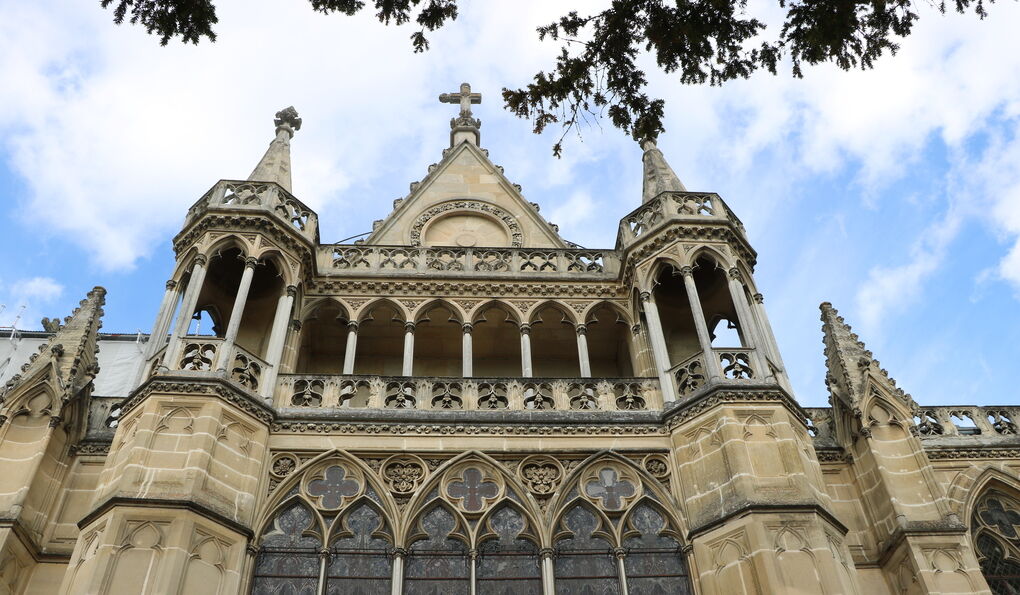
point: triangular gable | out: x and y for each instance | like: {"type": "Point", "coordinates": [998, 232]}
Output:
{"type": "Point", "coordinates": [467, 191]}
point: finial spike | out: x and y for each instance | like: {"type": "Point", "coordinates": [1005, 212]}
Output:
{"type": "Point", "coordinates": [275, 164]}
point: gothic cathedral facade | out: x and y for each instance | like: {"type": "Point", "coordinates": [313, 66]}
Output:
{"type": "Point", "coordinates": [465, 402]}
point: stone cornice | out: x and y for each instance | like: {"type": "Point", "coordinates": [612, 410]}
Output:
{"type": "Point", "coordinates": [152, 502]}
{"type": "Point", "coordinates": [976, 452]}
{"type": "Point", "coordinates": [477, 288]}
{"type": "Point", "coordinates": [246, 221]}
{"type": "Point", "coordinates": [714, 395]}
{"type": "Point", "coordinates": [200, 385]}
{"type": "Point", "coordinates": [760, 508]}
{"type": "Point", "coordinates": [655, 241]}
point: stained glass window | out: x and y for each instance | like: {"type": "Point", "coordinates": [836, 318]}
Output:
{"type": "Point", "coordinates": [288, 562]}
{"type": "Point", "coordinates": [995, 528]}
{"type": "Point", "coordinates": [359, 562]}
{"type": "Point", "coordinates": [584, 563]}
{"type": "Point", "coordinates": [508, 564]}
{"type": "Point", "coordinates": [437, 564]}
{"type": "Point", "coordinates": [654, 563]}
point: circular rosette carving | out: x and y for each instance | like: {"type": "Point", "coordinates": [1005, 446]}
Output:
{"type": "Point", "coordinates": [403, 474]}
{"type": "Point", "coordinates": [540, 474]}
{"type": "Point", "coordinates": [333, 484]}
{"type": "Point", "coordinates": [610, 486]}
{"type": "Point", "coordinates": [656, 465]}
{"type": "Point", "coordinates": [472, 487]}
{"type": "Point", "coordinates": [283, 465]}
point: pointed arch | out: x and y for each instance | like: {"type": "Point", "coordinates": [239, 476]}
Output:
{"type": "Point", "coordinates": [432, 489]}
{"type": "Point", "coordinates": [360, 541]}
{"type": "Point", "coordinates": [437, 545]}
{"type": "Point", "coordinates": [496, 339]}
{"type": "Point", "coordinates": [650, 487]}
{"type": "Point", "coordinates": [610, 340]}
{"type": "Point", "coordinates": [508, 547]}
{"type": "Point", "coordinates": [554, 349]}
{"type": "Point", "coordinates": [381, 338]}
{"type": "Point", "coordinates": [289, 549]}
{"type": "Point", "coordinates": [995, 531]}
{"type": "Point", "coordinates": [439, 329]}
{"type": "Point", "coordinates": [323, 340]}
{"type": "Point", "coordinates": [294, 481]}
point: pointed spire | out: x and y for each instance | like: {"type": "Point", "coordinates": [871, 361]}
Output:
{"type": "Point", "coordinates": [848, 361]}
{"type": "Point", "coordinates": [659, 176]}
{"type": "Point", "coordinates": [72, 349]}
{"type": "Point", "coordinates": [275, 164]}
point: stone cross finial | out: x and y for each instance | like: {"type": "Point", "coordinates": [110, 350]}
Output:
{"type": "Point", "coordinates": [465, 98]}
{"type": "Point", "coordinates": [287, 117]}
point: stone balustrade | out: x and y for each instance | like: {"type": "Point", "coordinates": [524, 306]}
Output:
{"type": "Point", "coordinates": [967, 421]}
{"type": "Point", "coordinates": [402, 392]}
{"type": "Point", "coordinates": [199, 354]}
{"type": "Point", "coordinates": [258, 196]}
{"type": "Point", "coordinates": [573, 263]}
{"type": "Point", "coordinates": [735, 364]}
{"type": "Point", "coordinates": [673, 206]}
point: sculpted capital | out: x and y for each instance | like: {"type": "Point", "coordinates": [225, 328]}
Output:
{"type": "Point", "coordinates": [582, 329]}
{"type": "Point", "coordinates": [201, 260]}
{"type": "Point", "coordinates": [758, 298]}
{"type": "Point", "coordinates": [408, 327]}
{"type": "Point", "coordinates": [251, 262]}
{"type": "Point", "coordinates": [734, 273]}
{"type": "Point", "coordinates": [352, 325]}
{"type": "Point", "coordinates": [525, 329]}
{"type": "Point", "coordinates": [291, 291]}
{"type": "Point", "coordinates": [645, 296]}
{"type": "Point", "coordinates": [171, 284]}
{"type": "Point", "coordinates": [686, 271]}
{"type": "Point", "coordinates": [468, 327]}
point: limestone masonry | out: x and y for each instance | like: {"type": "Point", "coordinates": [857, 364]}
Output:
{"type": "Point", "coordinates": [465, 402]}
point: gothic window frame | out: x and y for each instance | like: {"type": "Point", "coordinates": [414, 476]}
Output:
{"type": "Point", "coordinates": [1001, 573]}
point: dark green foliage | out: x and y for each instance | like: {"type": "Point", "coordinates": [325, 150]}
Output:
{"type": "Point", "coordinates": [596, 73]}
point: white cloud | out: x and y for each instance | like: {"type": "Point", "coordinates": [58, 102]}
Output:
{"type": "Point", "coordinates": [24, 300]}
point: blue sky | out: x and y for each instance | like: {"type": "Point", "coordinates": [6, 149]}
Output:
{"type": "Point", "coordinates": [893, 193]}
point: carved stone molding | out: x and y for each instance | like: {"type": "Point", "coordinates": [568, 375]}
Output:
{"type": "Point", "coordinates": [516, 235]}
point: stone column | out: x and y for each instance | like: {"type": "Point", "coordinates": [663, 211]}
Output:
{"type": "Point", "coordinates": [526, 369]}
{"type": "Point", "coordinates": [704, 339]}
{"type": "Point", "coordinates": [408, 367]}
{"type": "Point", "coordinates": [769, 338]}
{"type": "Point", "coordinates": [397, 582]}
{"type": "Point", "coordinates": [323, 562]}
{"type": "Point", "coordinates": [186, 312]}
{"type": "Point", "coordinates": [466, 355]}
{"type": "Point", "coordinates": [352, 345]}
{"type": "Point", "coordinates": [473, 555]}
{"type": "Point", "coordinates": [548, 573]}
{"type": "Point", "coordinates": [747, 324]}
{"type": "Point", "coordinates": [659, 351]}
{"type": "Point", "coordinates": [276, 340]}
{"type": "Point", "coordinates": [291, 347]}
{"type": "Point", "coordinates": [159, 327]}
{"type": "Point", "coordinates": [621, 572]}
{"type": "Point", "coordinates": [236, 313]}
{"type": "Point", "coordinates": [582, 351]}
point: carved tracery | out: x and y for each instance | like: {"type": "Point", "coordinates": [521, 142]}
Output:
{"type": "Point", "coordinates": [995, 526]}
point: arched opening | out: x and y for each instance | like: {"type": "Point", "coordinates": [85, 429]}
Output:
{"type": "Point", "coordinates": [584, 560]}
{"type": "Point", "coordinates": [323, 340]}
{"type": "Point", "coordinates": [654, 562]}
{"type": "Point", "coordinates": [508, 562]}
{"type": "Point", "coordinates": [717, 304]}
{"type": "Point", "coordinates": [437, 562]}
{"type": "Point", "coordinates": [260, 308]}
{"type": "Point", "coordinates": [553, 344]}
{"type": "Point", "coordinates": [288, 561]}
{"type": "Point", "coordinates": [496, 338]}
{"type": "Point", "coordinates": [359, 560]}
{"type": "Point", "coordinates": [675, 315]}
{"type": "Point", "coordinates": [438, 340]}
{"type": "Point", "coordinates": [381, 342]}
{"type": "Point", "coordinates": [609, 344]}
{"type": "Point", "coordinates": [216, 299]}
{"type": "Point", "coordinates": [994, 529]}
